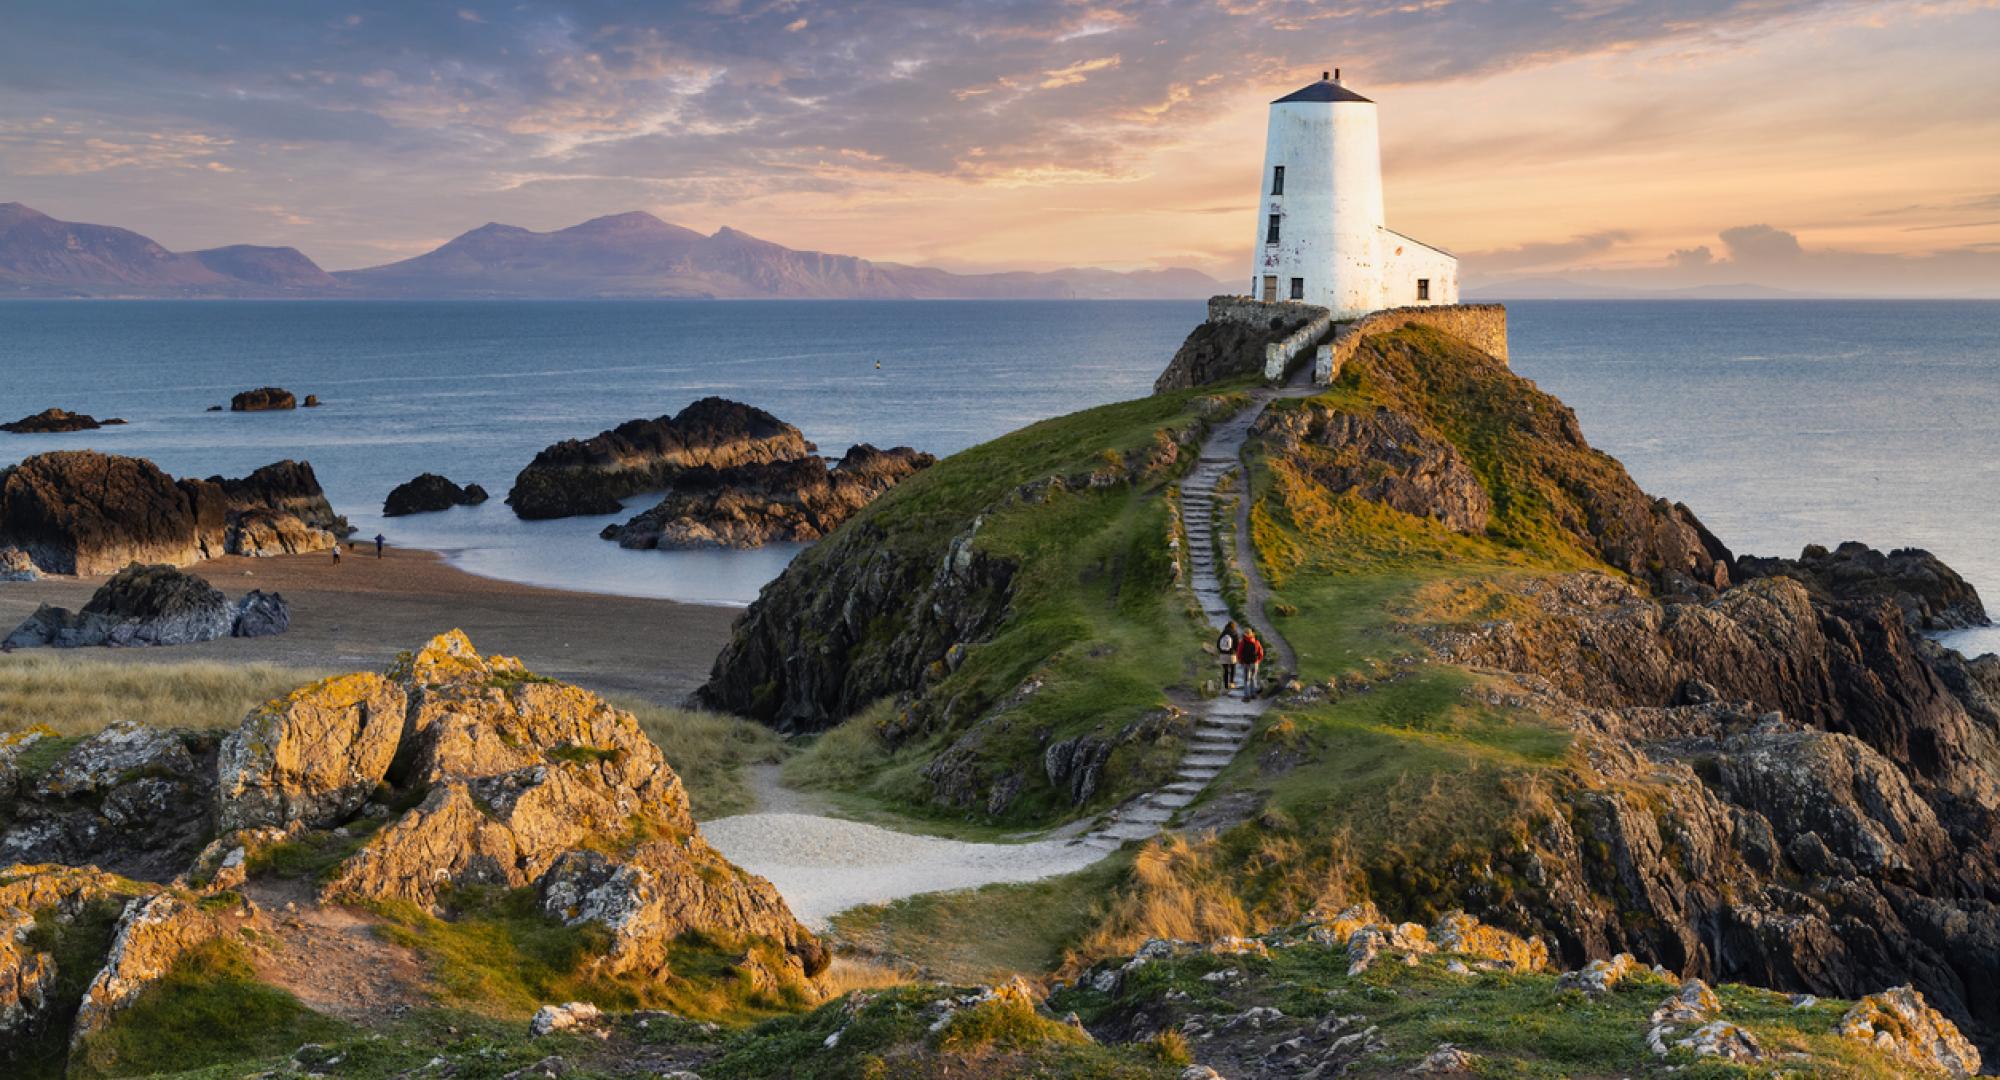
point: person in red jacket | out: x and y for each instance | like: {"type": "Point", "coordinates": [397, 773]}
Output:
{"type": "Point", "coordinates": [1249, 653]}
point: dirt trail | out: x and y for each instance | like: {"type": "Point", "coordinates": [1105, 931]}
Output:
{"type": "Point", "coordinates": [331, 957]}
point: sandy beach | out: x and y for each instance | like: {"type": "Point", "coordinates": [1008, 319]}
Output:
{"type": "Point", "coordinates": [361, 613]}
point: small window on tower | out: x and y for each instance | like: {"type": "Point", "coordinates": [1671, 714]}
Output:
{"type": "Point", "coordinates": [1277, 180]}
{"type": "Point", "coordinates": [1423, 288]}
{"type": "Point", "coordinates": [1271, 230]}
{"type": "Point", "coordinates": [1298, 288]}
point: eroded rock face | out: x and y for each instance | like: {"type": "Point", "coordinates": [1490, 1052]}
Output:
{"type": "Point", "coordinates": [130, 799]}
{"type": "Point", "coordinates": [313, 756]}
{"type": "Point", "coordinates": [55, 421]}
{"type": "Point", "coordinates": [429, 493]}
{"type": "Point", "coordinates": [591, 476]}
{"type": "Point", "coordinates": [81, 512]}
{"type": "Point", "coordinates": [745, 506]}
{"type": "Point", "coordinates": [263, 399]}
{"type": "Point", "coordinates": [1231, 343]}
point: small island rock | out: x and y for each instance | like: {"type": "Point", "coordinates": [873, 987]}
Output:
{"type": "Point", "coordinates": [263, 399]}
{"type": "Point", "coordinates": [751, 505]}
{"type": "Point", "coordinates": [428, 493]}
{"type": "Point", "coordinates": [55, 421]}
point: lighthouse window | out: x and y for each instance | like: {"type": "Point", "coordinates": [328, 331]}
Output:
{"type": "Point", "coordinates": [1423, 288]}
{"type": "Point", "coordinates": [1298, 288]}
{"type": "Point", "coordinates": [1278, 180]}
{"type": "Point", "coordinates": [1271, 230]}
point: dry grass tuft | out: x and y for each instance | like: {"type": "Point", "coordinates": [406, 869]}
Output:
{"type": "Point", "coordinates": [850, 973]}
{"type": "Point", "coordinates": [82, 696]}
{"type": "Point", "coordinates": [709, 751]}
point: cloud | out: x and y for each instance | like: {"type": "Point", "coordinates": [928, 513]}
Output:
{"type": "Point", "coordinates": [1547, 254]}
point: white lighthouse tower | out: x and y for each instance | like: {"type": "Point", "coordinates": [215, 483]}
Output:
{"type": "Point", "coordinates": [1322, 237]}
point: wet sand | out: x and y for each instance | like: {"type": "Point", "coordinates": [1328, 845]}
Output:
{"type": "Point", "coordinates": [360, 614]}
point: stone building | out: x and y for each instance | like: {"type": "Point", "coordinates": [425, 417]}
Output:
{"type": "Point", "coordinates": [1321, 232]}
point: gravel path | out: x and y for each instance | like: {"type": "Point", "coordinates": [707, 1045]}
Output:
{"type": "Point", "coordinates": [824, 865]}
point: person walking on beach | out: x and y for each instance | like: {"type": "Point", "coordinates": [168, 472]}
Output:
{"type": "Point", "coordinates": [378, 545]}
{"type": "Point", "coordinates": [1249, 653]}
{"type": "Point", "coordinates": [1225, 647]}
{"type": "Point", "coordinates": [336, 553]}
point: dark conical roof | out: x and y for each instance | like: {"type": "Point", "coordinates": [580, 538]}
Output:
{"type": "Point", "coordinates": [1323, 90]}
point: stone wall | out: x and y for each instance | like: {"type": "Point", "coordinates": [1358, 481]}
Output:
{"type": "Point", "coordinates": [1483, 326]}
{"type": "Point", "coordinates": [1233, 342]}
{"type": "Point", "coordinates": [1250, 311]}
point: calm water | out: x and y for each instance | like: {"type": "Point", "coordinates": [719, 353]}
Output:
{"type": "Point", "coordinates": [1779, 423]}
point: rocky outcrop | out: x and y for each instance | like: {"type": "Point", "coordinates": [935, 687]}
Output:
{"type": "Point", "coordinates": [153, 605]}
{"type": "Point", "coordinates": [263, 399]}
{"type": "Point", "coordinates": [1930, 594]}
{"type": "Point", "coordinates": [1231, 343]}
{"type": "Point", "coordinates": [155, 932]}
{"type": "Point", "coordinates": [745, 506]}
{"type": "Point", "coordinates": [429, 493]}
{"type": "Point", "coordinates": [130, 799]}
{"type": "Point", "coordinates": [525, 783]}
{"type": "Point", "coordinates": [1382, 456]}
{"type": "Point", "coordinates": [29, 973]}
{"type": "Point", "coordinates": [591, 476]}
{"type": "Point", "coordinates": [55, 421]}
{"type": "Point", "coordinates": [313, 756]}
{"type": "Point", "coordinates": [81, 512]}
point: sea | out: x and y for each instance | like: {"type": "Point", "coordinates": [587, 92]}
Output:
{"type": "Point", "coordinates": [1781, 423]}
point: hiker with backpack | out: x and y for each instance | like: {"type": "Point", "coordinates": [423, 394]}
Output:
{"type": "Point", "coordinates": [1225, 646]}
{"type": "Point", "coordinates": [1250, 654]}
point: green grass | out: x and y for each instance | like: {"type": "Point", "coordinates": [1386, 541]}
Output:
{"type": "Point", "coordinates": [312, 856]}
{"type": "Point", "coordinates": [494, 953]}
{"type": "Point", "coordinates": [80, 696]}
{"type": "Point", "coordinates": [209, 1009]}
{"type": "Point", "coordinates": [989, 934]}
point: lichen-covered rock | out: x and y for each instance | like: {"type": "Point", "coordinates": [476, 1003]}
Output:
{"type": "Point", "coordinates": [27, 974]}
{"type": "Point", "coordinates": [1899, 1021]}
{"type": "Point", "coordinates": [429, 493]}
{"type": "Point", "coordinates": [533, 783]}
{"type": "Point", "coordinates": [313, 756]}
{"type": "Point", "coordinates": [1724, 1040]}
{"type": "Point", "coordinates": [1381, 456]}
{"type": "Point", "coordinates": [131, 798]}
{"type": "Point", "coordinates": [553, 1018]}
{"type": "Point", "coordinates": [155, 932]}
{"type": "Point", "coordinates": [1599, 976]}
{"type": "Point", "coordinates": [590, 476]}
{"type": "Point", "coordinates": [1457, 932]}
{"type": "Point", "coordinates": [1693, 1003]}
{"type": "Point", "coordinates": [1447, 1060]}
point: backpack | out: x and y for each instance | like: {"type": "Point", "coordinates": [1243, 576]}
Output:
{"type": "Point", "coordinates": [1225, 644]}
{"type": "Point", "coordinates": [1255, 649]}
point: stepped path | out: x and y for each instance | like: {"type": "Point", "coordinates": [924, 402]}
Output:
{"type": "Point", "coordinates": [823, 865]}
{"type": "Point", "coordinates": [1222, 724]}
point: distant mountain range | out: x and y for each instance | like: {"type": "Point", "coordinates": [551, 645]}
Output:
{"type": "Point", "coordinates": [623, 256]}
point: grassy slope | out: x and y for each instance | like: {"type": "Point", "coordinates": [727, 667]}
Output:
{"type": "Point", "coordinates": [1095, 616]}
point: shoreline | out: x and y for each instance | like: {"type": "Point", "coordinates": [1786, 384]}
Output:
{"type": "Point", "coordinates": [360, 614]}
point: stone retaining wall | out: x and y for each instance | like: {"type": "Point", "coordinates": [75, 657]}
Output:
{"type": "Point", "coordinates": [1251, 311]}
{"type": "Point", "coordinates": [1483, 326]}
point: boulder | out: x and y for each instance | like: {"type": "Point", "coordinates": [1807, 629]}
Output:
{"type": "Point", "coordinates": [572, 1016]}
{"type": "Point", "coordinates": [311, 401]}
{"type": "Point", "coordinates": [52, 421]}
{"type": "Point", "coordinates": [590, 476]}
{"type": "Point", "coordinates": [313, 756]}
{"type": "Point", "coordinates": [155, 932]}
{"type": "Point", "coordinates": [81, 512]}
{"type": "Point", "coordinates": [140, 605]}
{"type": "Point", "coordinates": [746, 506]}
{"type": "Point", "coordinates": [430, 492]}
{"type": "Point", "coordinates": [263, 399]}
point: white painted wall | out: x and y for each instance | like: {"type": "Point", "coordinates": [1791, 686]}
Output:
{"type": "Point", "coordinates": [1331, 219]}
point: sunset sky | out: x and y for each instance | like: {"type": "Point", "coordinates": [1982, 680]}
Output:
{"type": "Point", "coordinates": [1819, 146]}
